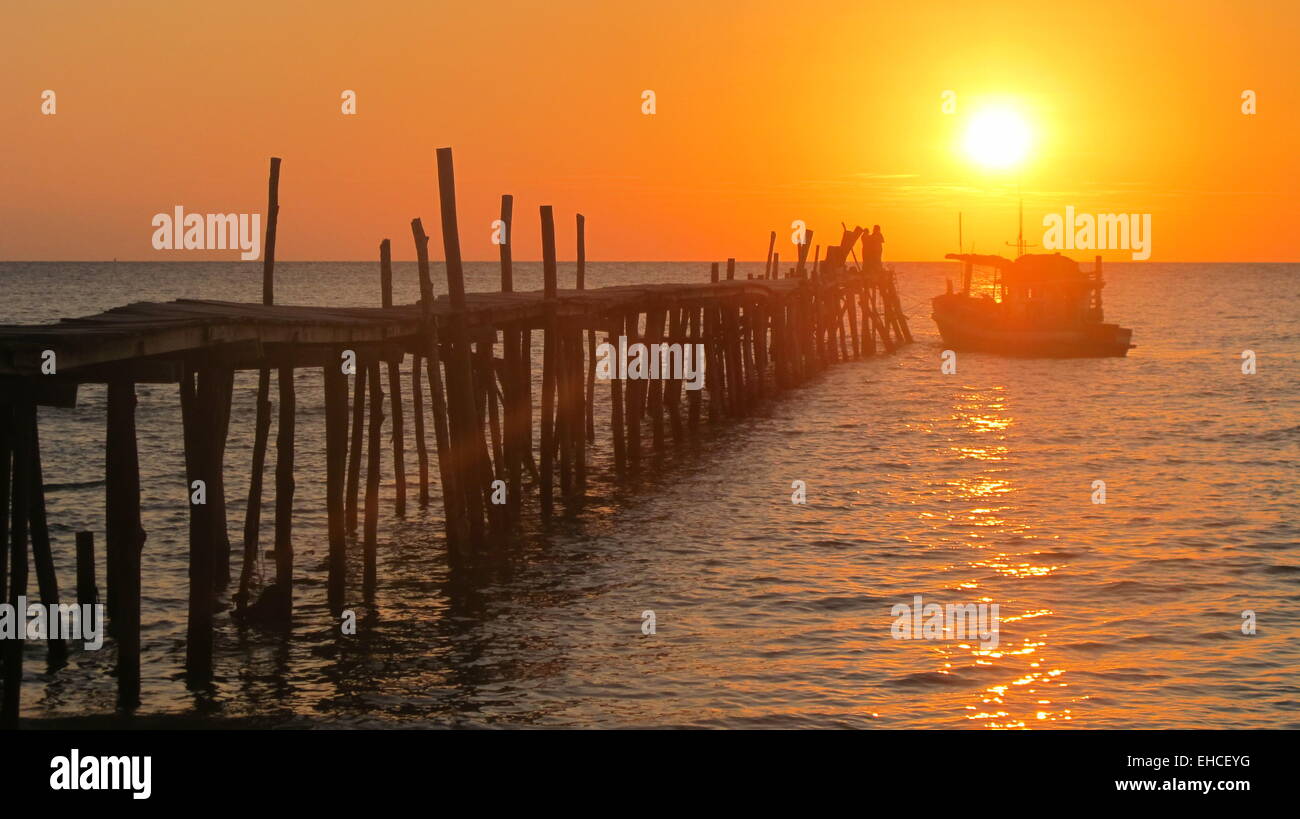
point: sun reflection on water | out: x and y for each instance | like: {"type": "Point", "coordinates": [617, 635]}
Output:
{"type": "Point", "coordinates": [1030, 693]}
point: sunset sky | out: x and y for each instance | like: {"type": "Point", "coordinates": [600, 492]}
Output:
{"type": "Point", "coordinates": [767, 112]}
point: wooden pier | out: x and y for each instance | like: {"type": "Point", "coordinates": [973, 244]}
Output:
{"type": "Point", "coordinates": [470, 357]}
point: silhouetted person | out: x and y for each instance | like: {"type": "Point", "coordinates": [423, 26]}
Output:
{"type": "Point", "coordinates": [873, 248]}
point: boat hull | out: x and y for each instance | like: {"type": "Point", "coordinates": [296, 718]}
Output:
{"type": "Point", "coordinates": [968, 324]}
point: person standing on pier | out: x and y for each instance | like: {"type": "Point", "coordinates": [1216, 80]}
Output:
{"type": "Point", "coordinates": [873, 248]}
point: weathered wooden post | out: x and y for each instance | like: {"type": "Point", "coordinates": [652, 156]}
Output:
{"type": "Point", "coordinates": [204, 416]}
{"type": "Point", "coordinates": [262, 425]}
{"type": "Point", "coordinates": [730, 319]}
{"type": "Point", "coordinates": [336, 453]}
{"type": "Point", "coordinates": [654, 331]}
{"type": "Point", "coordinates": [716, 378]}
{"type": "Point", "coordinates": [633, 392]}
{"type": "Point", "coordinates": [42, 557]}
{"type": "Point", "coordinates": [803, 254]}
{"type": "Point", "coordinates": [851, 296]}
{"type": "Point", "coordinates": [584, 375]}
{"type": "Point", "coordinates": [673, 387]}
{"type": "Point", "coordinates": [693, 396]}
{"type": "Point", "coordinates": [617, 431]}
{"type": "Point", "coordinates": [549, 344]}
{"type": "Point", "coordinates": [195, 415]}
{"type": "Point", "coordinates": [356, 447]}
{"type": "Point", "coordinates": [591, 343]}
{"type": "Point", "coordinates": [22, 406]}
{"type": "Point", "coordinates": [453, 492]}
{"type": "Point", "coordinates": [394, 385]}
{"type": "Point", "coordinates": [759, 331]}
{"type": "Point", "coordinates": [748, 333]}
{"type": "Point", "coordinates": [373, 443]}
{"type": "Point", "coordinates": [421, 444]}
{"type": "Point", "coordinates": [125, 535]}
{"type": "Point", "coordinates": [518, 417]}
{"type": "Point", "coordinates": [487, 366]}
{"type": "Point", "coordinates": [564, 408]}
{"type": "Point", "coordinates": [467, 444]}
{"type": "Point", "coordinates": [6, 467]}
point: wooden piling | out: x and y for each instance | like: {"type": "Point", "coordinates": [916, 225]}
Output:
{"type": "Point", "coordinates": [336, 452]}
{"type": "Point", "coordinates": [487, 355]}
{"type": "Point", "coordinates": [514, 386]}
{"type": "Point", "coordinates": [21, 487]}
{"type": "Point", "coordinates": [549, 345]}
{"type": "Point", "coordinates": [466, 429]}
{"type": "Point", "coordinates": [195, 418]}
{"type": "Point", "coordinates": [87, 591]}
{"type": "Point", "coordinates": [125, 535]}
{"type": "Point", "coordinates": [673, 387]}
{"type": "Point", "coordinates": [42, 558]}
{"type": "Point", "coordinates": [394, 388]}
{"type": "Point", "coordinates": [803, 254]}
{"type": "Point", "coordinates": [617, 431]}
{"type": "Point", "coordinates": [453, 492]}
{"type": "Point", "coordinates": [851, 298]}
{"type": "Point", "coordinates": [584, 375]}
{"type": "Point", "coordinates": [693, 399]}
{"type": "Point", "coordinates": [6, 470]}
{"type": "Point", "coordinates": [373, 443]}
{"type": "Point", "coordinates": [262, 424]}
{"type": "Point", "coordinates": [715, 373]}
{"type": "Point", "coordinates": [732, 358]}
{"type": "Point", "coordinates": [745, 315]}
{"type": "Point", "coordinates": [564, 419]}
{"type": "Point", "coordinates": [356, 445]}
{"type": "Point", "coordinates": [655, 386]}
{"type": "Point", "coordinates": [486, 406]}
{"type": "Point", "coordinates": [633, 390]}
{"type": "Point", "coordinates": [421, 443]}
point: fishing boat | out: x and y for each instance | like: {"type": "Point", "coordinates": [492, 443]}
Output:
{"type": "Point", "coordinates": [1039, 305]}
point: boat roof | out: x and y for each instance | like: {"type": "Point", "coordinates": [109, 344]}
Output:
{"type": "Point", "coordinates": [1029, 267]}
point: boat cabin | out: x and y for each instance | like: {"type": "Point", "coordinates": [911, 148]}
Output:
{"type": "Point", "coordinates": [1037, 288]}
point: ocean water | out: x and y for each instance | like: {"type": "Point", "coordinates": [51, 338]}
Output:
{"type": "Point", "coordinates": [962, 488]}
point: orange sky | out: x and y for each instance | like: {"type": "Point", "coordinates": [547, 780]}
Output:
{"type": "Point", "coordinates": [767, 112]}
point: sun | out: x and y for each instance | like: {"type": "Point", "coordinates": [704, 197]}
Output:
{"type": "Point", "coordinates": [997, 138]}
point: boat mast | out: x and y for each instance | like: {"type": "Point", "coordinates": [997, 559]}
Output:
{"type": "Point", "coordinates": [1020, 244]}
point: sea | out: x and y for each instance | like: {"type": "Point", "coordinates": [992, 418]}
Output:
{"type": "Point", "coordinates": [1175, 603]}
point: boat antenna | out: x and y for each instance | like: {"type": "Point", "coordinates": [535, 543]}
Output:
{"type": "Point", "coordinates": [960, 249]}
{"type": "Point", "coordinates": [1020, 244]}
